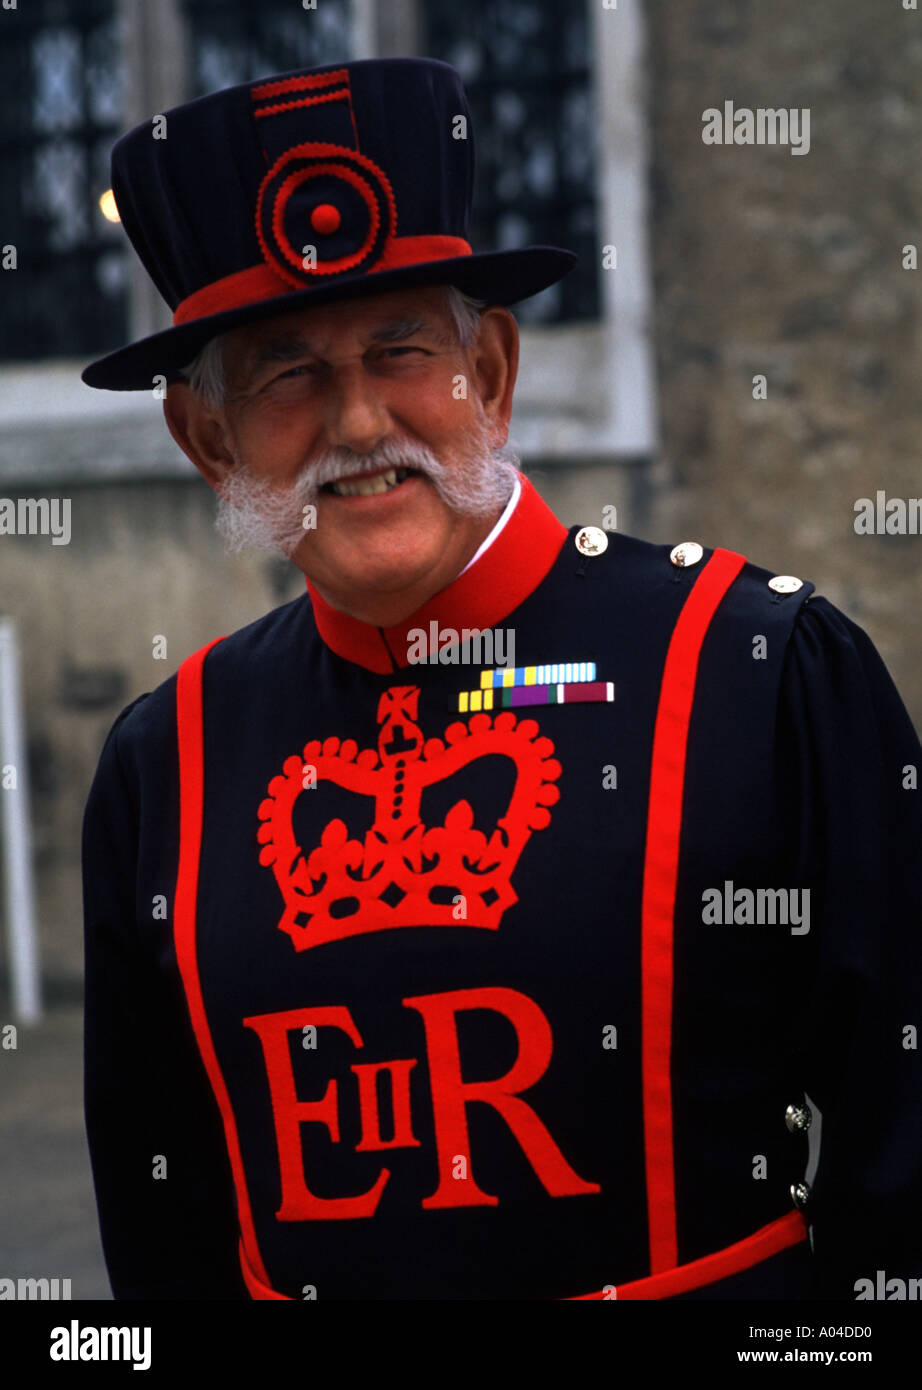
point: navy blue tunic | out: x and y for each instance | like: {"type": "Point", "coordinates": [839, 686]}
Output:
{"type": "Point", "coordinates": [421, 979]}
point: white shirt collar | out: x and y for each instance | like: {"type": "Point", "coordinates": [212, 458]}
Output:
{"type": "Point", "coordinates": [485, 545]}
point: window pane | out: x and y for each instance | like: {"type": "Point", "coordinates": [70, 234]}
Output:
{"type": "Point", "coordinates": [525, 65]}
{"type": "Point", "coordinates": [235, 41]}
{"type": "Point", "coordinates": [60, 113]}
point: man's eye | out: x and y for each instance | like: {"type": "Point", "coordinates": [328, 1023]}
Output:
{"type": "Point", "coordinates": [310, 369]}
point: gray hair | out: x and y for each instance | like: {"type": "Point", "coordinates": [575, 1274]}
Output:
{"type": "Point", "coordinates": [206, 375]}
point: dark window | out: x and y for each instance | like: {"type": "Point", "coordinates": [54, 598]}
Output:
{"type": "Point", "coordinates": [60, 112]}
{"type": "Point", "coordinates": [233, 41]}
{"type": "Point", "coordinates": [525, 65]}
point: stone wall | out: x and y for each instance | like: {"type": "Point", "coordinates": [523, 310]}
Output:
{"type": "Point", "coordinates": [791, 266]}
{"type": "Point", "coordinates": [143, 562]}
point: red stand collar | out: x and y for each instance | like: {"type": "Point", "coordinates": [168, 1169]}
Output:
{"type": "Point", "coordinates": [507, 572]}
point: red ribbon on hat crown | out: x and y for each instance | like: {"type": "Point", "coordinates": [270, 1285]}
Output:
{"type": "Point", "coordinates": [259, 282]}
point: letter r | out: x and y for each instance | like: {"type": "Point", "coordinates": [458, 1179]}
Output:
{"type": "Point", "coordinates": [451, 1095]}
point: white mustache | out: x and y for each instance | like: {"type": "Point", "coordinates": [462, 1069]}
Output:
{"type": "Point", "coordinates": [337, 464]}
{"type": "Point", "coordinates": [254, 511]}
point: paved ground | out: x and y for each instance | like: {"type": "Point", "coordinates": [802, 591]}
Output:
{"type": "Point", "coordinates": [47, 1208]}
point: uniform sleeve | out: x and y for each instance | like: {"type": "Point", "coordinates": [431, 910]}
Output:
{"type": "Point", "coordinates": [172, 1236]}
{"type": "Point", "coordinates": [852, 761]}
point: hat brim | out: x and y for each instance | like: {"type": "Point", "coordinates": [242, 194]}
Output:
{"type": "Point", "coordinates": [499, 277]}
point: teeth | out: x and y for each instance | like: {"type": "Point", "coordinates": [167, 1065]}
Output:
{"type": "Point", "coordinates": [369, 487]}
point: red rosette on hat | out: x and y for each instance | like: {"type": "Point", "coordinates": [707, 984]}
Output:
{"type": "Point", "coordinates": [330, 198]}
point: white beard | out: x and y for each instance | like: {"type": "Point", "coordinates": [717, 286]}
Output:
{"type": "Point", "coordinates": [255, 512]}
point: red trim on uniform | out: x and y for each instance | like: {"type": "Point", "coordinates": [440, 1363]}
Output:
{"type": "Point", "coordinates": [259, 282]}
{"type": "Point", "coordinates": [299, 84]}
{"type": "Point", "coordinates": [710, 1269]}
{"type": "Point", "coordinates": [733, 1259]}
{"type": "Point", "coordinates": [347, 637]}
{"type": "Point", "coordinates": [341, 95]}
{"type": "Point", "coordinates": [667, 777]}
{"type": "Point", "coordinates": [514, 565]}
{"type": "Point", "coordinates": [191, 805]}
{"type": "Point", "coordinates": [260, 1289]}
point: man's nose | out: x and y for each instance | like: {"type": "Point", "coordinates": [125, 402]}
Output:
{"type": "Point", "coordinates": [355, 415]}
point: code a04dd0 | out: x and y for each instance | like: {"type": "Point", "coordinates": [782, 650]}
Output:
{"type": "Point", "coordinates": [778, 1334]}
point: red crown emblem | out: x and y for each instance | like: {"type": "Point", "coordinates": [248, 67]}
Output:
{"type": "Point", "coordinates": [405, 874]}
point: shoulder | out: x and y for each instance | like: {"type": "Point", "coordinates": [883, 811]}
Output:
{"type": "Point", "coordinates": [735, 589]}
{"type": "Point", "coordinates": [808, 641]}
{"type": "Point", "coordinates": [265, 642]}
{"type": "Point", "coordinates": [149, 721]}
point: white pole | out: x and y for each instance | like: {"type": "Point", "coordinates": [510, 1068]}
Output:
{"type": "Point", "coordinates": [619, 48]}
{"type": "Point", "coordinates": [17, 850]}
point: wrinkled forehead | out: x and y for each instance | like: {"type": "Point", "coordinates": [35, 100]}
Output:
{"type": "Point", "coordinates": [372, 318]}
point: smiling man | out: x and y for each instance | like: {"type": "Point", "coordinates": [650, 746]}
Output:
{"type": "Point", "coordinates": [464, 979]}
{"type": "Point", "coordinates": [379, 416]}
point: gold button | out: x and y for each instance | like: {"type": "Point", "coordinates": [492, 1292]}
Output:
{"type": "Point", "coordinates": [785, 584]}
{"type": "Point", "coordinates": [591, 540]}
{"type": "Point", "coordinates": [686, 553]}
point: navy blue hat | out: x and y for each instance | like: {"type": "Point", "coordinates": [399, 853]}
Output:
{"type": "Point", "coordinates": [325, 183]}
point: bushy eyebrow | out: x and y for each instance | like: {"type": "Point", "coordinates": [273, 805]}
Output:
{"type": "Point", "coordinates": [289, 347]}
{"type": "Point", "coordinates": [397, 329]}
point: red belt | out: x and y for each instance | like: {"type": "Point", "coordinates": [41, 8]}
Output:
{"type": "Point", "coordinates": [770, 1240]}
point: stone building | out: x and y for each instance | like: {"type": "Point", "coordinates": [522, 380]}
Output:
{"type": "Point", "coordinates": [735, 361]}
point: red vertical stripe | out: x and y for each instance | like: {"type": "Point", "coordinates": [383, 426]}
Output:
{"type": "Point", "coordinates": [664, 818]}
{"type": "Point", "coordinates": [191, 807]}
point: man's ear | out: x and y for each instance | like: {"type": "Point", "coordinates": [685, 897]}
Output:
{"type": "Point", "coordinates": [200, 431]}
{"type": "Point", "coordinates": [495, 358]}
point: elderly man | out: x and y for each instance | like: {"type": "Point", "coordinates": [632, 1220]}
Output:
{"type": "Point", "coordinates": [368, 393]}
{"type": "Point", "coordinates": [490, 921]}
